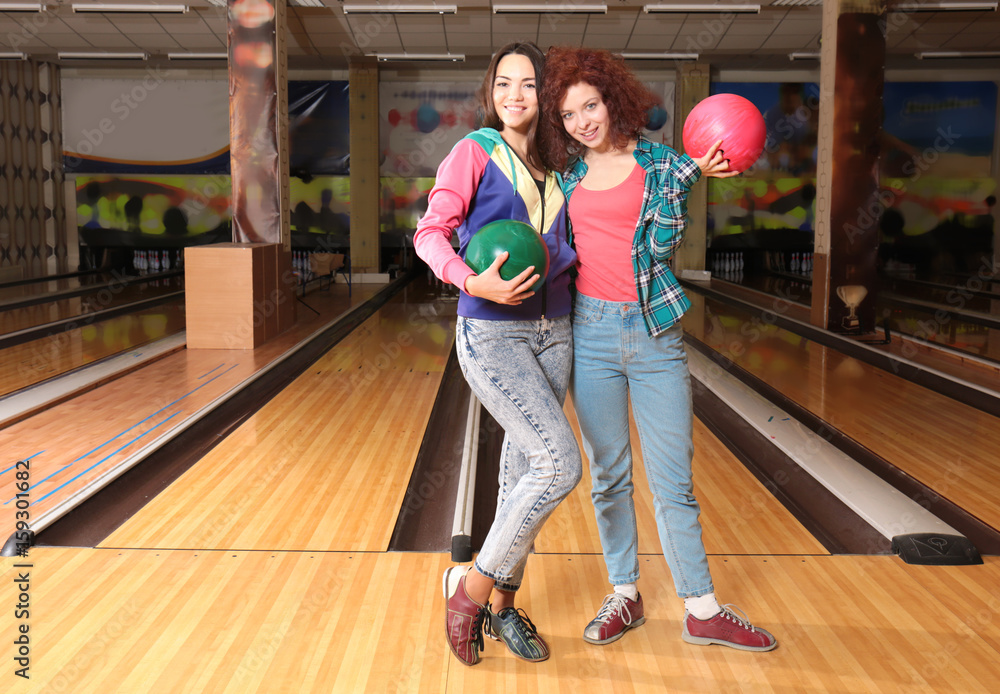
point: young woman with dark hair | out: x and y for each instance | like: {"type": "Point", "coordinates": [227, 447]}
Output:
{"type": "Point", "coordinates": [627, 205]}
{"type": "Point", "coordinates": [515, 346]}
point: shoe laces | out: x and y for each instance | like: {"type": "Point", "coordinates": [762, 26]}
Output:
{"type": "Point", "coordinates": [741, 619]}
{"type": "Point", "coordinates": [480, 622]}
{"type": "Point", "coordinates": [523, 623]}
{"type": "Point", "coordinates": [615, 603]}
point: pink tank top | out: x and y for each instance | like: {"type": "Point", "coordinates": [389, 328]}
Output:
{"type": "Point", "coordinates": [604, 224]}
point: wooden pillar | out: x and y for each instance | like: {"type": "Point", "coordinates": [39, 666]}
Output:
{"type": "Point", "coordinates": [692, 86]}
{"type": "Point", "coordinates": [363, 75]}
{"type": "Point", "coordinates": [850, 125]}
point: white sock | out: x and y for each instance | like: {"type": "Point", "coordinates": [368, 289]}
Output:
{"type": "Point", "coordinates": [703, 606]}
{"type": "Point", "coordinates": [628, 590]}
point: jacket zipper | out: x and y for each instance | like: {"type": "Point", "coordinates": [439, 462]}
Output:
{"type": "Point", "coordinates": [545, 284]}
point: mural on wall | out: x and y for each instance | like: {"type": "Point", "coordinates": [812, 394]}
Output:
{"type": "Point", "coordinates": [124, 220]}
{"type": "Point", "coordinates": [936, 184]}
{"type": "Point", "coordinates": [321, 217]}
{"type": "Point", "coordinates": [148, 125]}
{"type": "Point", "coordinates": [771, 204]}
{"type": "Point", "coordinates": [420, 123]}
{"type": "Point", "coordinates": [151, 202]}
{"type": "Point", "coordinates": [660, 120]}
{"type": "Point", "coordinates": [936, 163]}
{"type": "Point", "coordinates": [319, 125]}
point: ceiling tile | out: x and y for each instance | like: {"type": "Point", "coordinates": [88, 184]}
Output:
{"type": "Point", "coordinates": [565, 38]}
{"type": "Point", "coordinates": [29, 46]}
{"type": "Point", "coordinates": [791, 43]}
{"type": "Point", "coordinates": [116, 42]}
{"type": "Point", "coordinates": [617, 23]}
{"type": "Point", "coordinates": [479, 22]}
{"type": "Point", "coordinates": [565, 22]}
{"type": "Point", "coordinates": [329, 23]}
{"type": "Point", "coordinates": [154, 41]}
{"type": "Point", "coordinates": [653, 25]}
{"type": "Point", "coordinates": [741, 43]}
{"type": "Point", "coordinates": [414, 25]}
{"type": "Point", "coordinates": [611, 42]}
{"type": "Point", "coordinates": [139, 23]}
{"type": "Point", "coordinates": [520, 25]}
{"type": "Point", "coordinates": [209, 42]}
{"type": "Point", "coordinates": [420, 43]}
{"type": "Point", "coordinates": [90, 24]}
{"type": "Point", "coordinates": [73, 42]}
{"type": "Point", "coordinates": [649, 43]}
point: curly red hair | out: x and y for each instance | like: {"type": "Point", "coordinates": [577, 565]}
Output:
{"type": "Point", "coordinates": [628, 100]}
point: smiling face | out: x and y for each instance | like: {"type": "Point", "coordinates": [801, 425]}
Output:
{"type": "Point", "coordinates": [585, 117]}
{"type": "Point", "coordinates": [514, 96]}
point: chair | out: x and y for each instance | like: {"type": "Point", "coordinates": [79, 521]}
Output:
{"type": "Point", "coordinates": [324, 266]}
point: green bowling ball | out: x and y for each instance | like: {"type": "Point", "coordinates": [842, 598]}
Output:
{"type": "Point", "coordinates": [524, 244]}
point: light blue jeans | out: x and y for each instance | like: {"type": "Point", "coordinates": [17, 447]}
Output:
{"type": "Point", "coordinates": [615, 361]}
{"type": "Point", "coordinates": [520, 372]}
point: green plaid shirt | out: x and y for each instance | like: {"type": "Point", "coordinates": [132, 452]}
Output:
{"type": "Point", "coordinates": [658, 231]}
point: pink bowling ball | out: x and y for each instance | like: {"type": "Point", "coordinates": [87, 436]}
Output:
{"type": "Point", "coordinates": [732, 119]}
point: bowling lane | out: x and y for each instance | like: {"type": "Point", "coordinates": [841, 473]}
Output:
{"type": "Point", "coordinates": [324, 465]}
{"type": "Point", "coordinates": [739, 515]}
{"type": "Point", "coordinates": [960, 313]}
{"type": "Point", "coordinates": [30, 363]}
{"type": "Point", "coordinates": [11, 292]}
{"type": "Point", "coordinates": [40, 314]}
{"type": "Point", "coordinates": [948, 446]}
{"type": "Point", "coordinates": [76, 445]}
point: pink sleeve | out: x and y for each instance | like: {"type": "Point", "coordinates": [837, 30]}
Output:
{"type": "Point", "coordinates": [448, 202]}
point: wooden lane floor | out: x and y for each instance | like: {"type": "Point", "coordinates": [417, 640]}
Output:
{"type": "Point", "coordinates": [16, 291]}
{"type": "Point", "coordinates": [30, 363]}
{"type": "Point", "coordinates": [16, 319]}
{"type": "Point", "coordinates": [739, 515]}
{"type": "Point", "coordinates": [82, 440]}
{"type": "Point", "coordinates": [325, 464]}
{"type": "Point", "coordinates": [176, 621]}
{"type": "Point", "coordinates": [343, 616]}
{"type": "Point", "coordinates": [943, 353]}
{"type": "Point", "coordinates": [948, 446]}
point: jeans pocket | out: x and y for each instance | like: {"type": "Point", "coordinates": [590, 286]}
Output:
{"type": "Point", "coordinates": [585, 315]}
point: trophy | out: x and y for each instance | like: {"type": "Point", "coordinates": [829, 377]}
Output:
{"type": "Point", "coordinates": [851, 295]}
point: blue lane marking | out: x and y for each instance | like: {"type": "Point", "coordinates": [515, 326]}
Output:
{"type": "Point", "coordinates": [208, 372]}
{"type": "Point", "coordinates": [73, 479]}
{"type": "Point", "coordinates": [19, 460]}
{"type": "Point", "coordinates": [41, 482]}
{"type": "Point", "coordinates": [155, 413]}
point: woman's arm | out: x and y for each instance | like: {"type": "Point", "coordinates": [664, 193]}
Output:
{"type": "Point", "coordinates": [447, 206]}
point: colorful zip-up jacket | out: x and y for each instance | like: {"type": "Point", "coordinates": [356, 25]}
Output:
{"type": "Point", "coordinates": [479, 182]}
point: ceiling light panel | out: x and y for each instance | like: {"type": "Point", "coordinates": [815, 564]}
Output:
{"type": "Point", "coordinates": [695, 8]}
{"type": "Point", "coordinates": [420, 57]}
{"type": "Point", "coordinates": [352, 8]}
{"type": "Point", "coordinates": [99, 55]}
{"type": "Point", "coordinates": [129, 8]}
{"type": "Point", "coordinates": [21, 7]}
{"type": "Point", "coordinates": [554, 8]}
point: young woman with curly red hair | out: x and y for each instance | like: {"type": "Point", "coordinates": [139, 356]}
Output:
{"type": "Point", "coordinates": [627, 200]}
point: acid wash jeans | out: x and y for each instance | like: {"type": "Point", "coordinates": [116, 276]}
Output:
{"type": "Point", "coordinates": [520, 372]}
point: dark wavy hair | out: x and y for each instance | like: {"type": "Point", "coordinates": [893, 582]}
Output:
{"type": "Point", "coordinates": [628, 100]}
{"type": "Point", "coordinates": [484, 95]}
